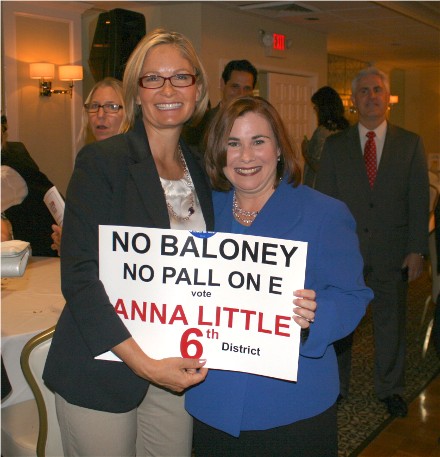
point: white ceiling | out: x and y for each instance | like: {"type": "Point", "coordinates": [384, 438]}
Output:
{"type": "Point", "coordinates": [391, 34]}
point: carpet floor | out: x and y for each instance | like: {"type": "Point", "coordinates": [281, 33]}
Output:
{"type": "Point", "coordinates": [361, 417]}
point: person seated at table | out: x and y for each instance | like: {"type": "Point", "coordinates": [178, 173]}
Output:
{"type": "Point", "coordinates": [256, 176]}
{"type": "Point", "coordinates": [14, 191]}
{"type": "Point", "coordinates": [14, 188]}
{"type": "Point", "coordinates": [30, 220]}
{"type": "Point", "coordinates": [103, 116]}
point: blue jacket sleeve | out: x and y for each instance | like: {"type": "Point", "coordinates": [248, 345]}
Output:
{"type": "Point", "coordinates": [335, 272]}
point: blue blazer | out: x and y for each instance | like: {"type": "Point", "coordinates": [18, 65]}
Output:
{"type": "Point", "coordinates": [232, 401]}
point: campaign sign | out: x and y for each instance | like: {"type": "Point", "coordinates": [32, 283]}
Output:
{"type": "Point", "coordinates": [222, 297]}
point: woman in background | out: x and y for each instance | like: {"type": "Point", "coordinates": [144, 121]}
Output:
{"type": "Point", "coordinates": [103, 116]}
{"type": "Point", "coordinates": [146, 177]}
{"type": "Point", "coordinates": [330, 112]}
{"type": "Point", "coordinates": [256, 176]}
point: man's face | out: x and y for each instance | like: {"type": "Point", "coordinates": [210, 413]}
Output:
{"type": "Point", "coordinates": [240, 83]}
{"type": "Point", "coordinates": [371, 99]}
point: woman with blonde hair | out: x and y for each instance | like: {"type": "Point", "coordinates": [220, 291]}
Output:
{"type": "Point", "coordinates": [146, 177]}
{"type": "Point", "coordinates": [103, 116]}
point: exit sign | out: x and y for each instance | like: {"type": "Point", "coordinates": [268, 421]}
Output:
{"type": "Point", "coordinates": [279, 42]}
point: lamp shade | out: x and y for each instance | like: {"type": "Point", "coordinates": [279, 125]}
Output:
{"type": "Point", "coordinates": [41, 70]}
{"type": "Point", "coordinates": [394, 99]}
{"type": "Point", "coordinates": [70, 72]}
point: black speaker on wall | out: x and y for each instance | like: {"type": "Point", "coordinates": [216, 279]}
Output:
{"type": "Point", "coordinates": [117, 33]}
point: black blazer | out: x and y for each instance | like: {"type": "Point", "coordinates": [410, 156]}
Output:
{"type": "Point", "coordinates": [115, 182]}
{"type": "Point", "coordinates": [31, 220]}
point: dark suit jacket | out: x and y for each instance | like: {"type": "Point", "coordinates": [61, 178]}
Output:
{"type": "Point", "coordinates": [31, 220]}
{"type": "Point", "coordinates": [392, 218]}
{"type": "Point", "coordinates": [115, 182]}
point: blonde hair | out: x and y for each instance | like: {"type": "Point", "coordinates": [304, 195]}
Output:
{"type": "Point", "coordinates": [136, 60]}
{"type": "Point", "coordinates": [116, 85]}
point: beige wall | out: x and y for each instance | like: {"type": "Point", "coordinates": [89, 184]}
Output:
{"type": "Point", "coordinates": [48, 126]}
{"type": "Point", "coordinates": [44, 121]}
{"type": "Point", "coordinates": [422, 105]}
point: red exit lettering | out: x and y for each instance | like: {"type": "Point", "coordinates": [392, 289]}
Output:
{"type": "Point", "coordinates": [279, 42]}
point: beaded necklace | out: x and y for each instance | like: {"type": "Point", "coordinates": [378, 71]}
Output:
{"type": "Point", "coordinates": [247, 217]}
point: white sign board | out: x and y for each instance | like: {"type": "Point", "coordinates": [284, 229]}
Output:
{"type": "Point", "coordinates": [222, 297]}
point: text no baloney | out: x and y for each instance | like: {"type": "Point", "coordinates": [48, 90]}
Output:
{"type": "Point", "coordinates": [230, 249]}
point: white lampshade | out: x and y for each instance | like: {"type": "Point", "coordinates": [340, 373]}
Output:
{"type": "Point", "coordinates": [70, 72]}
{"type": "Point", "coordinates": [41, 70]}
{"type": "Point", "coordinates": [394, 99]}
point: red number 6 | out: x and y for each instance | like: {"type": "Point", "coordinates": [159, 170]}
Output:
{"type": "Point", "coordinates": [185, 343]}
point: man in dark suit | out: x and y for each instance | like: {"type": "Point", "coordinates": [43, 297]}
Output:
{"type": "Point", "coordinates": [31, 220]}
{"type": "Point", "coordinates": [388, 194]}
{"type": "Point", "coordinates": [239, 78]}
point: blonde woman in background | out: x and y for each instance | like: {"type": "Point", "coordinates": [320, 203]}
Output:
{"type": "Point", "coordinates": [103, 116]}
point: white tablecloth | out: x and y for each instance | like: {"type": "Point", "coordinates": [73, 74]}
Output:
{"type": "Point", "coordinates": [30, 304]}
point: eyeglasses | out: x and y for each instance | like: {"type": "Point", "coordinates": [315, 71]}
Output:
{"type": "Point", "coordinates": [109, 108]}
{"type": "Point", "coordinates": [156, 81]}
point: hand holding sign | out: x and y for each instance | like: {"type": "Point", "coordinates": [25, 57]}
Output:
{"type": "Point", "coordinates": [306, 307]}
{"type": "Point", "coordinates": [174, 373]}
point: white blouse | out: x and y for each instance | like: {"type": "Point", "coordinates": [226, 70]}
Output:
{"type": "Point", "coordinates": [183, 205]}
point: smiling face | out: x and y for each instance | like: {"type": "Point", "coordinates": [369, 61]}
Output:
{"type": "Point", "coordinates": [251, 158]}
{"type": "Point", "coordinates": [168, 106]}
{"type": "Point", "coordinates": [104, 125]}
{"type": "Point", "coordinates": [371, 98]}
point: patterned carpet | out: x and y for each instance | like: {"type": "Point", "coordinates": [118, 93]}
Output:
{"type": "Point", "coordinates": [361, 417]}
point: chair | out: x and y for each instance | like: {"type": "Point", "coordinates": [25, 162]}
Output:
{"type": "Point", "coordinates": [435, 290]}
{"type": "Point", "coordinates": [20, 434]}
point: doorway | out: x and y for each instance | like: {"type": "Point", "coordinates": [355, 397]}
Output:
{"type": "Point", "coordinates": [290, 95]}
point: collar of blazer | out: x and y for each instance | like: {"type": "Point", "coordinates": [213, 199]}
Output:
{"type": "Point", "coordinates": [144, 173]}
{"type": "Point", "coordinates": [286, 200]}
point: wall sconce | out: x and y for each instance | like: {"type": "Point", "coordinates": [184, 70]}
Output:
{"type": "Point", "coordinates": [70, 73]}
{"type": "Point", "coordinates": [394, 100]}
{"type": "Point", "coordinates": [44, 71]}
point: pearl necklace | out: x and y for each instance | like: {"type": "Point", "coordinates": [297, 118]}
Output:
{"type": "Point", "coordinates": [247, 217]}
{"type": "Point", "coordinates": [188, 182]}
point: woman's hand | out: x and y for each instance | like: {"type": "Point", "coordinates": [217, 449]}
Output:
{"type": "Point", "coordinates": [177, 374]}
{"type": "Point", "coordinates": [174, 373]}
{"type": "Point", "coordinates": [304, 312]}
{"type": "Point", "coordinates": [56, 238]}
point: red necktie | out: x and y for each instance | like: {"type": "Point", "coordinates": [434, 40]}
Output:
{"type": "Point", "coordinates": [370, 158]}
